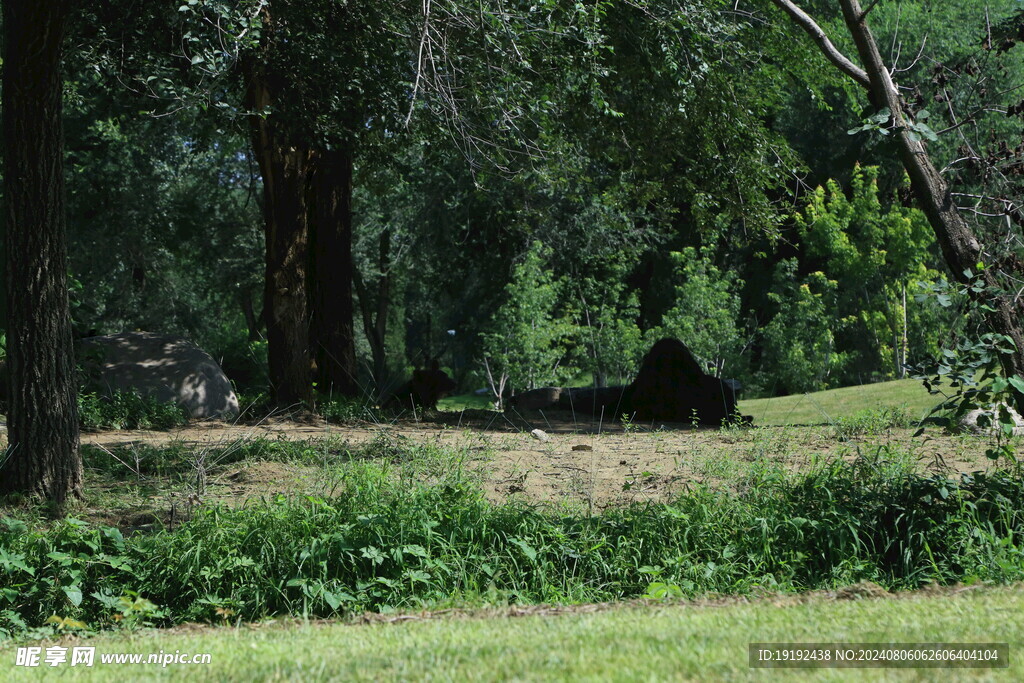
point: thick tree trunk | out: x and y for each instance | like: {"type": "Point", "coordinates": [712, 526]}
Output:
{"type": "Point", "coordinates": [330, 273]}
{"type": "Point", "coordinates": [42, 424]}
{"type": "Point", "coordinates": [285, 170]}
{"type": "Point", "coordinates": [960, 246]}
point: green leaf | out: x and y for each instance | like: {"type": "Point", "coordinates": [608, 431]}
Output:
{"type": "Point", "coordinates": [927, 132]}
{"type": "Point", "coordinates": [530, 553]}
{"type": "Point", "coordinates": [331, 599]}
{"type": "Point", "coordinates": [74, 594]}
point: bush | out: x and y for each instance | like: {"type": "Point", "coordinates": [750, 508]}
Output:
{"type": "Point", "coordinates": [127, 410]}
{"type": "Point", "coordinates": [343, 409]}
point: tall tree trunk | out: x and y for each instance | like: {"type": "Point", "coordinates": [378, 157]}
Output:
{"type": "Point", "coordinates": [43, 458]}
{"type": "Point", "coordinates": [285, 169]}
{"type": "Point", "coordinates": [332, 334]}
{"type": "Point", "coordinates": [961, 248]}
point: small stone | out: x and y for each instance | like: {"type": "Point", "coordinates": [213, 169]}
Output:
{"type": "Point", "coordinates": [540, 435]}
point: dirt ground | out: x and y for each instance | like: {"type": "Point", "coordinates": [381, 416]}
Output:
{"type": "Point", "coordinates": [581, 465]}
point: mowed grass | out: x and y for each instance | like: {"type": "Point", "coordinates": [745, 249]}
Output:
{"type": "Point", "coordinates": [825, 407]}
{"type": "Point", "coordinates": [654, 642]}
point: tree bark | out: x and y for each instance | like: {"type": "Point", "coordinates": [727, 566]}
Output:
{"type": "Point", "coordinates": [330, 273]}
{"type": "Point", "coordinates": [42, 459]}
{"type": "Point", "coordinates": [285, 169]}
{"type": "Point", "coordinates": [960, 247]}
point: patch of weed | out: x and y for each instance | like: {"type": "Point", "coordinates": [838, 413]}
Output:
{"type": "Point", "coordinates": [872, 422]}
{"type": "Point", "coordinates": [127, 410]}
{"type": "Point", "coordinates": [410, 528]}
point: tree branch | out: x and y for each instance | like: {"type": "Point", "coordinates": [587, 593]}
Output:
{"type": "Point", "coordinates": [824, 44]}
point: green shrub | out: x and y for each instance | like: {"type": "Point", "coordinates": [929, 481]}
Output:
{"type": "Point", "coordinates": [127, 410]}
{"type": "Point", "coordinates": [343, 409]}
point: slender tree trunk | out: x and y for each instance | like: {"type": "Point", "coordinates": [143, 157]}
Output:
{"type": "Point", "coordinates": [42, 425]}
{"type": "Point", "coordinates": [330, 273]}
{"type": "Point", "coordinates": [375, 310]}
{"type": "Point", "coordinates": [253, 322]}
{"type": "Point", "coordinates": [285, 169]}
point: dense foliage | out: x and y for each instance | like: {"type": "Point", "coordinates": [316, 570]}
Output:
{"type": "Point", "coordinates": [544, 188]}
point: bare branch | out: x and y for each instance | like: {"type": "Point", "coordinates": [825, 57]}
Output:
{"type": "Point", "coordinates": [830, 51]}
{"type": "Point", "coordinates": [895, 69]}
{"type": "Point", "coordinates": [870, 7]}
{"type": "Point", "coordinates": [419, 60]}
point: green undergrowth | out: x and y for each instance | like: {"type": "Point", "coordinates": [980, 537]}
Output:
{"type": "Point", "coordinates": [872, 422]}
{"type": "Point", "coordinates": [182, 457]}
{"type": "Point", "coordinates": [127, 410]}
{"type": "Point", "coordinates": [407, 526]}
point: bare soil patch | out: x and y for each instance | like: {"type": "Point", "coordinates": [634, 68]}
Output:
{"type": "Point", "coordinates": [584, 465]}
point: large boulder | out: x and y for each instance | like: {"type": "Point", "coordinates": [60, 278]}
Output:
{"type": "Point", "coordinates": [672, 386]}
{"type": "Point", "coordinates": [169, 369]}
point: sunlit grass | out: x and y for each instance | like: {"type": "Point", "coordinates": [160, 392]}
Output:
{"type": "Point", "coordinates": [825, 407]}
{"type": "Point", "coordinates": [655, 642]}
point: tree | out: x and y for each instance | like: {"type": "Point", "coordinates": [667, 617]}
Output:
{"type": "Point", "coordinates": [525, 343]}
{"type": "Point", "coordinates": [611, 344]}
{"type": "Point", "coordinates": [799, 352]}
{"type": "Point", "coordinates": [705, 313]}
{"type": "Point", "coordinates": [42, 457]}
{"type": "Point", "coordinates": [963, 251]}
{"type": "Point", "coordinates": [881, 259]}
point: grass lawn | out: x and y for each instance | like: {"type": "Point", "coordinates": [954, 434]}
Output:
{"type": "Point", "coordinates": [656, 642]}
{"type": "Point", "coordinates": [824, 407]}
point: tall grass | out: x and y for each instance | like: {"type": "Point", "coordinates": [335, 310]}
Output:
{"type": "Point", "coordinates": [413, 529]}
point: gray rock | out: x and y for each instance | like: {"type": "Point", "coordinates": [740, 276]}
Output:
{"type": "Point", "coordinates": [169, 369]}
{"type": "Point", "coordinates": [970, 421]}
